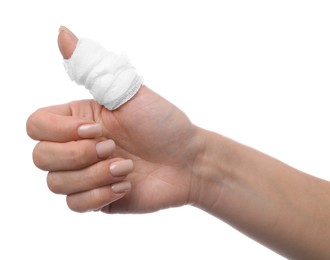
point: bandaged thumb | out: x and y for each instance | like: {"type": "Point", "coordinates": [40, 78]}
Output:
{"type": "Point", "coordinates": [109, 77]}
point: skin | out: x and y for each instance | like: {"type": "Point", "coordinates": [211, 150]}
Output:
{"type": "Point", "coordinates": [177, 163]}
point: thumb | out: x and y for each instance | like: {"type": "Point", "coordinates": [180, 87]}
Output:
{"type": "Point", "coordinates": [109, 77]}
{"type": "Point", "coordinates": [67, 42]}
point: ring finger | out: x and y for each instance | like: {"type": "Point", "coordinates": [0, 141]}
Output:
{"type": "Point", "coordinates": [100, 174]}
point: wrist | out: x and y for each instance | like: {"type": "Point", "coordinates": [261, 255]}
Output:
{"type": "Point", "coordinates": [211, 167]}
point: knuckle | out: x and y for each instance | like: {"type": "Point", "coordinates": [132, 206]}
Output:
{"type": "Point", "coordinates": [38, 157]}
{"type": "Point", "coordinates": [32, 125]}
{"type": "Point", "coordinates": [80, 155]}
{"type": "Point", "coordinates": [98, 196]}
{"type": "Point", "coordinates": [54, 182]}
{"type": "Point", "coordinates": [96, 175]}
{"type": "Point", "coordinates": [83, 153]}
{"type": "Point", "coordinates": [72, 204]}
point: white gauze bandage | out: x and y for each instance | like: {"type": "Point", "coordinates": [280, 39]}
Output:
{"type": "Point", "coordinates": [109, 77]}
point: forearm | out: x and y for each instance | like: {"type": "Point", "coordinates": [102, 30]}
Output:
{"type": "Point", "coordinates": [275, 204]}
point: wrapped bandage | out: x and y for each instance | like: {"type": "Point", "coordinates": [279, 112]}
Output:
{"type": "Point", "coordinates": [109, 77]}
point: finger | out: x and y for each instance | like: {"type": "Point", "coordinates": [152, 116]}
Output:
{"type": "Point", "coordinates": [51, 156]}
{"type": "Point", "coordinates": [100, 174]}
{"type": "Point", "coordinates": [97, 198]}
{"type": "Point", "coordinates": [60, 126]}
{"type": "Point", "coordinates": [67, 42]}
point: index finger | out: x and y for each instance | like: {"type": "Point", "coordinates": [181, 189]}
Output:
{"type": "Point", "coordinates": [58, 124]}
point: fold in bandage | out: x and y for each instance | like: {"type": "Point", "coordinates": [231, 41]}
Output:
{"type": "Point", "coordinates": [109, 77]}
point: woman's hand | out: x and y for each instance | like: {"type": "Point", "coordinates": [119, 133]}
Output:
{"type": "Point", "coordinates": [153, 141]}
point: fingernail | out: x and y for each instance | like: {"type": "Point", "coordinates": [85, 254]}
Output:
{"type": "Point", "coordinates": [121, 168]}
{"type": "Point", "coordinates": [121, 187]}
{"type": "Point", "coordinates": [64, 29]}
{"type": "Point", "coordinates": [67, 42]}
{"type": "Point", "coordinates": [68, 33]}
{"type": "Point", "coordinates": [90, 130]}
{"type": "Point", "coordinates": [105, 148]}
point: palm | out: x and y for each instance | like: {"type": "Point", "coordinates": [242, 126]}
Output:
{"type": "Point", "coordinates": [158, 137]}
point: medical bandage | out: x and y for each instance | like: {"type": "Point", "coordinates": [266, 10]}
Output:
{"type": "Point", "coordinates": [109, 77]}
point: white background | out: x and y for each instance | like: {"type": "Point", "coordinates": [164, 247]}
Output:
{"type": "Point", "coordinates": [255, 71]}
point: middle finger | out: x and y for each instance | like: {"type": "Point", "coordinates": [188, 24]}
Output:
{"type": "Point", "coordinates": [51, 156]}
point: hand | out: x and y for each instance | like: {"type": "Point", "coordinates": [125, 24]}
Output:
{"type": "Point", "coordinates": [159, 139]}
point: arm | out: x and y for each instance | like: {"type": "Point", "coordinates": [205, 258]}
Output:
{"type": "Point", "coordinates": [176, 163]}
{"type": "Point", "coordinates": [273, 203]}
